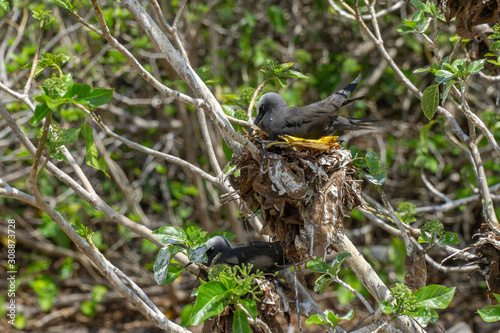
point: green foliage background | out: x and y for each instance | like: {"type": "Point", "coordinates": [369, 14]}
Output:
{"type": "Point", "coordinates": [228, 42]}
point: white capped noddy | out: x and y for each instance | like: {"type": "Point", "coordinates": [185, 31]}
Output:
{"type": "Point", "coordinates": [312, 121]}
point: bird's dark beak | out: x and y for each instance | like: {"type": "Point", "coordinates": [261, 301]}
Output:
{"type": "Point", "coordinates": [259, 118]}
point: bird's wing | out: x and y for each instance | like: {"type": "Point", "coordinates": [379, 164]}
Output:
{"type": "Point", "coordinates": [307, 122]}
{"type": "Point", "coordinates": [312, 121]}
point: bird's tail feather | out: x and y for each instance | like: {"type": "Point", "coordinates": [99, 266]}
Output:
{"type": "Point", "coordinates": [338, 99]}
{"type": "Point", "coordinates": [342, 124]}
{"type": "Point", "coordinates": [349, 101]}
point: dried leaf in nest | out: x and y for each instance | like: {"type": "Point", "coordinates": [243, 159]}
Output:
{"type": "Point", "coordinates": [272, 303]}
{"type": "Point", "coordinates": [470, 13]}
{"type": "Point", "coordinates": [416, 268]}
{"type": "Point", "coordinates": [324, 143]}
{"type": "Point", "coordinates": [302, 191]}
{"type": "Point", "coordinates": [487, 248]}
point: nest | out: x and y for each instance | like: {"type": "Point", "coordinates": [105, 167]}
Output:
{"type": "Point", "coordinates": [487, 257]}
{"type": "Point", "coordinates": [302, 192]}
{"type": "Point", "coordinates": [470, 13]}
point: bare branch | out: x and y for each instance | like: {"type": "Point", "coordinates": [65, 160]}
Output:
{"type": "Point", "coordinates": [399, 223]}
{"type": "Point", "coordinates": [210, 105]}
{"type": "Point", "coordinates": [36, 57]}
{"type": "Point", "coordinates": [152, 152]}
{"type": "Point", "coordinates": [133, 294]}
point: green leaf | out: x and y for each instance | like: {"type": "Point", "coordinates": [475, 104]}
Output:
{"type": "Point", "coordinates": [332, 317]}
{"type": "Point", "coordinates": [162, 262]}
{"type": "Point", "coordinates": [172, 274]}
{"type": "Point", "coordinates": [209, 302]}
{"type": "Point", "coordinates": [89, 308]}
{"type": "Point", "coordinates": [348, 316]}
{"type": "Point", "coordinates": [495, 62]}
{"type": "Point", "coordinates": [446, 90]}
{"type": "Point", "coordinates": [276, 18]}
{"type": "Point", "coordinates": [405, 29]}
{"type": "Point", "coordinates": [250, 306]}
{"type": "Point", "coordinates": [421, 70]}
{"type": "Point", "coordinates": [322, 283]}
{"type": "Point", "coordinates": [228, 110]}
{"type": "Point", "coordinates": [386, 307]}
{"type": "Point", "coordinates": [44, 16]}
{"type": "Point", "coordinates": [317, 319]}
{"type": "Point", "coordinates": [87, 134]}
{"type": "Point", "coordinates": [318, 265]}
{"type": "Point", "coordinates": [98, 293]}
{"type": "Point", "coordinates": [98, 97]}
{"type": "Point", "coordinates": [372, 161]}
{"type": "Point", "coordinates": [293, 74]}
{"type": "Point", "coordinates": [459, 65]}
{"type": "Point", "coordinates": [46, 290]}
{"type": "Point", "coordinates": [282, 82]}
{"type": "Point", "coordinates": [186, 313]}
{"type": "Point", "coordinates": [423, 24]}
{"type": "Point", "coordinates": [424, 316]}
{"type": "Point", "coordinates": [4, 5]}
{"type": "Point", "coordinates": [284, 66]}
{"type": "Point", "coordinates": [91, 157]}
{"type": "Point", "coordinates": [449, 238]}
{"type": "Point", "coordinates": [434, 296]}
{"type": "Point", "coordinates": [66, 268]}
{"type": "Point", "coordinates": [171, 235]}
{"type": "Point", "coordinates": [420, 5]}
{"type": "Point", "coordinates": [377, 175]}
{"type": "Point", "coordinates": [79, 90]}
{"type": "Point", "coordinates": [337, 263]}
{"type": "Point", "coordinates": [70, 135]}
{"type": "Point", "coordinates": [357, 157]}
{"type": "Point", "coordinates": [423, 238]}
{"type": "Point", "coordinates": [443, 76]}
{"type": "Point", "coordinates": [41, 111]}
{"type": "Point", "coordinates": [198, 254]}
{"type": "Point", "coordinates": [476, 66]}
{"type": "Point", "coordinates": [55, 104]}
{"type": "Point", "coordinates": [430, 100]}
{"type": "Point", "coordinates": [377, 179]}
{"type": "Point", "coordinates": [490, 313]}
{"type": "Point", "coordinates": [495, 47]}
{"type": "Point", "coordinates": [407, 211]}
{"type": "Point", "coordinates": [240, 322]}
{"type": "Point", "coordinates": [417, 16]}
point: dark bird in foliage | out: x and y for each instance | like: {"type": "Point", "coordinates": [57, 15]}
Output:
{"type": "Point", "coordinates": [267, 257]}
{"type": "Point", "coordinates": [311, 121]}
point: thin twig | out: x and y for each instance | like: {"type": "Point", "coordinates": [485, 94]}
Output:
{"type": "Point", "coordinates": [254, 98]}
{"type": "Point", "coordinates": [399, 223]}
{"type": "Point", "coordinates": [36, 57]}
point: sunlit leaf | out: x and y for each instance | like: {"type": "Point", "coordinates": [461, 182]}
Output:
{"type": "Point", "coordinates": [162, 262]}
{"type": "Point", "coordinates": [209, 302]}
{"type": "Point", "coordinates": [240, 322]}
{"type": "Point", "coordinates": [430, 100]}
{"type": "Point", "coordinates": [41, 111]}
{"type": "Point", "coordinates": [434, 296]}
{"type": "Point", "coordinates": [170, 235]}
